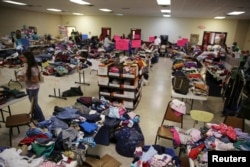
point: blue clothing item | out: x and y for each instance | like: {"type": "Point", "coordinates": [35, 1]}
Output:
{"type": "Point", "coordinates": [68, 113]}
{"type": "Point", "coordinates": [35, 37]}
{"type": "Point", "coordinates": [170, 151]}
{"type": "Point", "coordinates": [33, 131]}
{"type": "Point", "coordinates": [36, 131]}
{"type": "Point", "coordinates": [37, 114]}
{"type": "Point", "coordinates": [45, 56]}
{"type": "Point", "coordinates": [19, 43]}
{"type": "Point", "coordinates": [89, 140]}
{"type": "Point", "coordinates": [89, 127]}
{"type": "Point", "coordinates": [57, 123]}
{"type": "Point", "coordinates": [44, 124]}
{"type": "Point", "coordinates": [146, 156]}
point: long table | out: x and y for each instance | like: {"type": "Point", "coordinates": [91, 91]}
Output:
{"type": "Point", "coordinates": [189, 96]}
{"type": "Point", "coordinates": [8, 104]}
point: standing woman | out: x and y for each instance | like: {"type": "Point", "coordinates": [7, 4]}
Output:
{"type": "Point", "coordinates": [30, 75]}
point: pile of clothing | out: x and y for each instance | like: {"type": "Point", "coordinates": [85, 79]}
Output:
{"type": "Point", "coordinates": [155, 156]}
{"type": "Point", "coordinates": [212, 137]}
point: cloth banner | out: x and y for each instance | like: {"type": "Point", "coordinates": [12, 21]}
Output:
{"type": "Point", "coordinates": [136, 43]}
{"type": "Point", "coordinates": [122, 44]}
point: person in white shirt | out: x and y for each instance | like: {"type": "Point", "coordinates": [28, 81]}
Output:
{"type": "Point", "coordinates": [157, 41]}
{"type": "Point", "coordinates": [108, 44]}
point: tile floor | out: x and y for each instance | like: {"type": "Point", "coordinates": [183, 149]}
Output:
{"type": "Point", "coordinates": [151, 108]}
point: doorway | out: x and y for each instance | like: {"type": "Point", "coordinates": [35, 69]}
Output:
{"type": "Point", "coordinates": [106, 31]}
{"type": "Point", "coordinates": [135, 33]}
{"type": "Point", "coordinates": [70, 29]}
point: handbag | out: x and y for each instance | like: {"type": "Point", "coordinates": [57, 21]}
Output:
{"type": "Point", "coordinates": [181, 84]}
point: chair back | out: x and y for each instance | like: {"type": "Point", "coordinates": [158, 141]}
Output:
{"type": "Point", "coordinates": [201, 116]}
{"type": "Point", "coordinates": [235, 122]}
{"type": "Point", "coordinates": [171, 116]}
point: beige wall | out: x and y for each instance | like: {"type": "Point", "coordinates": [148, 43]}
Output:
{"type": "Point", "coordinates": [11, 20]}
{"type": "Point", "coordinates": [240, 35]}
{"type": "Point", "coordinates": [174, 27]}
{"type": "Point", "coordinates": [247, 39]}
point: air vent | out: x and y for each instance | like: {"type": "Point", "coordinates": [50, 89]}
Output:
{"type": "Point", "coordinates": [31, 6]}
{"type": "Point", "coordinates": [165, 6]}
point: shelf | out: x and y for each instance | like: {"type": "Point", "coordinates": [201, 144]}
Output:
{"type": "Point", "coordinates": [121, 83]}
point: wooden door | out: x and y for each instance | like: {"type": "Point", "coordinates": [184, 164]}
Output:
{"type": "Point", "coordinates": [135, 33]}
{"type": "Point", "coordinates": [106, 31]}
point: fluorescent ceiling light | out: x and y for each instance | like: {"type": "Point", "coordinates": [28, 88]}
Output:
{"type": "Point", "coordinates": [163, 2]}
{"type": "Point", "coordinates": [105, 10]}
{"type": "Point", "coordinates": [236, 13]}
{"type": "Point", "coordinates": [166, 15]}
{"type": "Point", "coordinates": [118, 14]}
{"type": "Point", "coordinates": [165, 11]}
{"type": "Point", "coordinates": [80, 2]}
{"type": "Point", "coordinates": [54, 10]}
{"type": "Point", "coordinates": [78, 14]}
{"type": "Point", "coordinates": [15, 3]}
{"type": "Point", "coordinates": [219, 17]}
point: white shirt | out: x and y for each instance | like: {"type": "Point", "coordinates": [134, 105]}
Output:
{"type": "Point", "coordinates": [106, 42]}
{"type": "Point", "coordinates": [35, 72]}
{"type": "Point", "coordinates": [157, 41]}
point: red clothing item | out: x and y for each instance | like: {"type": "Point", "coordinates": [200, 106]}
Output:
{"type": "Point", "coordinates": [193, 154]}
{"type": "Point", "coordinates": [29, 140]}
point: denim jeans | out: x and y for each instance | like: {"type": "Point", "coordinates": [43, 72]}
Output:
{"type": "Point", "coordinates": [38, 114]}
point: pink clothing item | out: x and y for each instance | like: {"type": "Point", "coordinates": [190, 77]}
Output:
{"type": "Point", "coordinates": [52, 164]}
{"type": "Point", "coordinates": [221, 146]}
{"type": "Point", "coordinates": [176, 136]}
{"type": "Point", "coordinates": [138, 151]}
{"type": "Point", "coordinates": [178, 106]}
{"type": "Point", "coordinates": [160, 160]}
{"type": "Point", "coordinates": [204, 157]}
{"type": "Point", "coordinates": [122, 111]}
{"type": "Point", "coordinates": [195, 135]}
{"type": "Point", "coordinates": [225, 130]}
{"type": "Point", "coordinates": [210, 125]}
{"type": "Point", "coordinates": [231, 133]}
{"type": "Point", "coordinates": [210, 132]}
{"type": "Point", "coordinates": [183, 135]}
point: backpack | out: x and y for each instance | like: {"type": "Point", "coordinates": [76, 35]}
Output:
{"type": "Point", "coordinates": [127, 139]}
{"type": "Point", "coordinates": [181, 84]}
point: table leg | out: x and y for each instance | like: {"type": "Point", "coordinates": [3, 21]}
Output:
{"type": "Point", "coordinates": [82, 77]}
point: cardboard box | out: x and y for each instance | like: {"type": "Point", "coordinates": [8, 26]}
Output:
{"type": "Point", "coordinates": [129, 94]}
{"type": "Point", "coordinates": [105, 161]}
{"type": "Point", "coordinates": [104, 93]}
{"type": "Point", "coordinates": [114, 85]}
{"type": "Point", "coordinates": [128, 104]}
{"type": "Point", "coordinates": [134, 86]}
{"type": "Point", "coordinates": [103, 69]}
{"type": "Point", "coordinates": [102, 80]}
{"type": "Point", "coordinates": [130, 71]}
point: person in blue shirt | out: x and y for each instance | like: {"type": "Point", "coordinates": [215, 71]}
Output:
{"type": "Point", "coordinates": [35, 36]}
